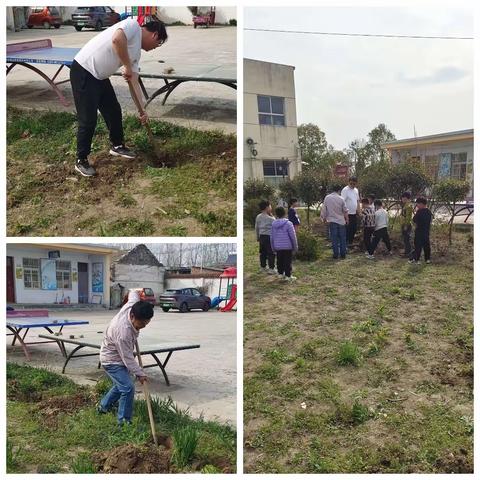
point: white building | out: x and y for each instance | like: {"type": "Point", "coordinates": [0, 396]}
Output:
{"type": "Point", "coordinates": [50, 273]}
{"type": "Point", "coordinates": [271, 150]}
{"type": "Point", "coordinates": [445, 155]}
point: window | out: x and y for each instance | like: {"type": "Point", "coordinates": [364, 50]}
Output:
{"type": "Point", "coordinates": [31, 272]}
{"type": "Point", "coordinates": [431, 166]}
{"type": "Point", "coordinates": [64, 275]}
{"type": "Point", "coordinates": [54, 11]}
{"type": "Point", "coordinates": [271, 110]}
{"type": "Point", "coordinates": [459, 166]}
{"type": "Point", "coordinates": [196, 293]}
{"type": "Point", "coordinates": [275, 171]}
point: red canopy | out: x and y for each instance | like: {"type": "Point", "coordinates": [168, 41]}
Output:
{"type": "Point", "coordinates": [229, 272]}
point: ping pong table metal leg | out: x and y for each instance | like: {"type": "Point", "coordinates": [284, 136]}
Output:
{"type": "Point", "coordinates": [168, 87]}
{"type": "Point", "coordinates": [62, 99]}
{"type": "Point", "coordinates": [70, 355]}
{"type": "Point", "coordinates": [163, 365]}
{"type": "Point", "coordinates": [60, 344]}
{"type": "Point", "coordinates": [22, 343]}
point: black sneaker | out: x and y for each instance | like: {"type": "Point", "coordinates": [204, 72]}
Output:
{"type": "Point", "coordinates": [122, 151]}
{"type": "Point", "coordinates": [84, 168]}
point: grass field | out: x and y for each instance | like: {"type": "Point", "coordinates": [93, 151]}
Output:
{"type": "Point", "coordinates": [45, 197]}
{"type": "Point", "coordinates": [360, 366]}
{"type": "Point", "coordinates": [53, 427]}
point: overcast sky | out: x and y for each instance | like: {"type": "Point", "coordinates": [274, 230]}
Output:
{"type": "Point", "coordinates": [348, 85]}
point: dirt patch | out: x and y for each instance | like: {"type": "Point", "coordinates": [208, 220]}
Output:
{"type": "Point", "coordinates": [131, 458]}
{"type": "Point", "coordinates": [54, 406]}
{"type": "Point", "coordinates": [455, 462]}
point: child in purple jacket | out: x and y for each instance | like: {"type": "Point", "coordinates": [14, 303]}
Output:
{"type": "Point", "coordinates": [284, 242]}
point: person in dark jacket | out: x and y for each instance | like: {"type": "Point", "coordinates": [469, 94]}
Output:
{"type": "Point", "coordinates": [292, 213]}
{"type": "Point", "coordinates": [284, 243]}
{"type": "Point", "coordinates": [422, 220]}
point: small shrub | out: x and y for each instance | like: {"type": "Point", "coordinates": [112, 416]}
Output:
{"type": "Point", "coordinates": [185, 441]}
{"type": "Point", "coordinates": [233, 23]}
{"type": "Point", "coordinates": [256, 189]}
{"type": "Point", "coordinates": [308, 245]}
{"type": "Point", "coordinates": [348, 354]}
{"type": "Point", "coordinates": [83, 464]}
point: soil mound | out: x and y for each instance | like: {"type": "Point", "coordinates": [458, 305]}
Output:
{"type": "Point", "coordinates": [455, 462]}
{"type": "Point", "coordinates": [131, 458]}
{"type": "Point", "coordinates": [52, 407]}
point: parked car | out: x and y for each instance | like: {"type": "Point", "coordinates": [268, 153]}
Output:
{"type": "Point", "coordinates": [45, 17]}
{"type": "Point", "coordinates": [94, 17]}
{"type": "Point", "coordinates": [147, 295]}
{"type": "Point", "coordinates": [184, 299]}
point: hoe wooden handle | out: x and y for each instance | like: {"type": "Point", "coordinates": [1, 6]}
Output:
{"type": "Point", "coordinates": [147, 398]}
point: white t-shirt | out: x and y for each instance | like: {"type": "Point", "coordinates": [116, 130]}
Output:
{"type": "Point", "coordinates": [351, 197]}
{"type": "Point", "coordinates": [98, 57]}
{"type": "Point", "coordinates": [381, 219]}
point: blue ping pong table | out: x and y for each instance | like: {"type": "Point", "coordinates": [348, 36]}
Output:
{"type": "Point", "coordinates": [30, 54]}
{"type": "Point", "coordinates": [17, 325]}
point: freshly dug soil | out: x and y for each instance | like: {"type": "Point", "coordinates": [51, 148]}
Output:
{"type": "Point", "coordinates": [455, 462]}
{"type": "Point", "coordinates": [131, 458]}
{"type": "Point", "coordinates": [53, 406]}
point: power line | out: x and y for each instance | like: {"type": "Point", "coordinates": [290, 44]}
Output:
{"type": "Point", "coordinates": [340, 34]}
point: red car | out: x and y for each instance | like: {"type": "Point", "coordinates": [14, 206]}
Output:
{"type": "Point", "coordinates": [45, 17]}
{"type": "Point", "coordinates": [147, 295]}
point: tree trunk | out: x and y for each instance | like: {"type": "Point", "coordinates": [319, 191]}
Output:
{"type": "Point", "coordinates": [451, 226]}
{"type": "Point", "coordinates": [308, 215]}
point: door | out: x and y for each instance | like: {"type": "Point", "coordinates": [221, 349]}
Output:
{"type": "Point", "coordinates": [197, 296]}
{"type": "Point", "coordinates": [82, 282]}
{"type": "Point", "coordinates": [10, 281]}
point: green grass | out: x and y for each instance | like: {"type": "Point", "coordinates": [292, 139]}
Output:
{"type": "Point", "coordinates": [383, 363]}
{"type": "Point", "coordinates": [70, 444]}
{"type": "Point", "coordinates": [131, 198]}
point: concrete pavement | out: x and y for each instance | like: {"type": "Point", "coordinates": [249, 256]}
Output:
{"type": "Point", "coordinates": [194, 104]}
{"type": "Point", "coordinates": [202, 379]}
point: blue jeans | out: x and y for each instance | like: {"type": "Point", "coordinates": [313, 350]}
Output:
{"type": "Point", "coordinates": [338, 236]}
{"type": "Point", "coordinates": [123, 392]}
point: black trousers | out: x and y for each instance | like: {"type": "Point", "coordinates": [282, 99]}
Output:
{"type": "Point", "coordinates": [421, 242]}
{"type": "Point", "coordinates": [378, 235]}
{"type": "Point", "coordinates": [284, 262]}
{"type": "Point", "coordinates": [90, 95]}
{"type": "Point", "coordinates": [266, 252]}
{"type": "Point", "coordinates": [351, 228]}
{"type": "Point", "coordinates": [367, 237]}
{"type": "Point", "coordinates": [406, 235]}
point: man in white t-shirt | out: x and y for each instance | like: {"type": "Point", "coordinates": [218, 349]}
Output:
{"type": "Point", "coordinates": [118, 46]}
{"type": "Point", "coordinates": [352, 200]}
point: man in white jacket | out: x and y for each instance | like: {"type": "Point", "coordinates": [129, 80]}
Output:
{"type": "Point", "coordinates": [117, 355]}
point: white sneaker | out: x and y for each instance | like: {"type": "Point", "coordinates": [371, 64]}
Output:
{"type": "Point", "coordinates": [371, 257]}
{"type": "Point", "coordinates": [271, 271]}
{"type": "Point", "coordinates": [290, 279]}
{"type": "Point", "coordinates": [428, 261]}
{"type": "Point", "coordinates": [413, 262]}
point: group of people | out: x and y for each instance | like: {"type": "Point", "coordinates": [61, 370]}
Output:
{"type": "Point", "coordinates": [341, 210]}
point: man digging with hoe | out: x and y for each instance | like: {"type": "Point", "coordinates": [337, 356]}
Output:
{"type": "Point", "coordinates": [117, 355]}
{"type": "Point", "coordinates": [118, 45]}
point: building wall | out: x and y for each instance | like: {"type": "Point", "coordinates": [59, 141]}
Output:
{"type": "Point", "coordinates": [28, 295]}
{"type": "Point", "coordinates": [136, 276]}
{"type": "Point", "coordinates": [212, 284]}
{"type": "Point", "coordinates": [272, 142]}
